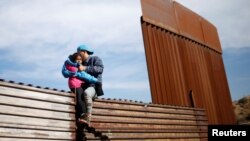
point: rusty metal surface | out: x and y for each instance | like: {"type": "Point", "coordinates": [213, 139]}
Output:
{"type": "Point", "coordinates": [123, 120]}
{"type": "Point", "coordinates": [189, 23]}
{"type": "Point", "coordinates": [31, 112]}
{"type": "Point", "coordinates": [26, 113]}
{"type": "Point", "coordinates": [211, 35]}
{"type": "Point", "coordinates": [184, 71]}
{"type": "Point", "coordinates": [176, 18]}
{"type": "Point", "coordinates": [160, 12]}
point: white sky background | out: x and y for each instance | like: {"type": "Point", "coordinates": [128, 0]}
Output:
{"type": "Point", "coordinates": [36, 36]}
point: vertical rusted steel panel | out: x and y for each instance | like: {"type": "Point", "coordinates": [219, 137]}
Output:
{"type": "Point", "coordinates": [149, 60]}
{"type": "Point", "coordinates": [197, 85]}
{"type": "Point", "coordinates": [212, 79]}
{"type": "Point", "coordinates": [186, 72]}
{"type": "Point", "coordinates": [175, 70]}
{"type": "Point", "coordinates": [157, 46]}
{"type": "Point", "coordinates": [188, 22]}
{"type": "Point", "coordinates": [164, 69]}
{"type": "Point", "coordinates": [185, 61]}
{"type": "Point", "coordinates": [168, 63]}
{"type": "Point", "coordinates": [180, 75]}
{"type": "Point", "coordinates": [155, 63]}
{"type": "Point", "coordinates": [222, 91]}
{"type": "Point", "coordinates": [227, 95]}
{"type": "Point", "coordinates": [171, 70]}
{"type": "Point", "coordinates": [207, 94]}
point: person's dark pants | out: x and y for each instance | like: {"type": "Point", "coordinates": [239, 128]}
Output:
{"type": "Point", "coordinates": [80, 104]}
{"type": "Point", "coordinates": [80, 109]}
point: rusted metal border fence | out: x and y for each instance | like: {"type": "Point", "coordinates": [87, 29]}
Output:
{"type": "Point", "coordinates": [30, 113]}
{"type": "Point", "coordinates": [183, 55]}
{"type": "Point", "coordinates": [128, 120]}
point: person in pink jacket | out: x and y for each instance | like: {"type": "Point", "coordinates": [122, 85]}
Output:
{"type": "Point", "coordinates": [75, 83]}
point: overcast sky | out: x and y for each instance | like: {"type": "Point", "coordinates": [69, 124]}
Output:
{"type": "Point", "coordinates": [36, 36]}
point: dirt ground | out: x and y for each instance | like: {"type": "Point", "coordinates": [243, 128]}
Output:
{"type": "Point", "coordinates": [242, 110]}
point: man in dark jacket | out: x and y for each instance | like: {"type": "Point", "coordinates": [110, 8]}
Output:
{"type": "Point", "coordinates": [92, 65]}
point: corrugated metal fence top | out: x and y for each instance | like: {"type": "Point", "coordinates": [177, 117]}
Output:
{"type": "Point", "coordinates": [53, 91]}
{"type": "Point", "coordinates": [175, 17]}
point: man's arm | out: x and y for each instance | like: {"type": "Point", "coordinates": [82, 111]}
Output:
{"type": "Point", "coordinates": [97, 68]}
